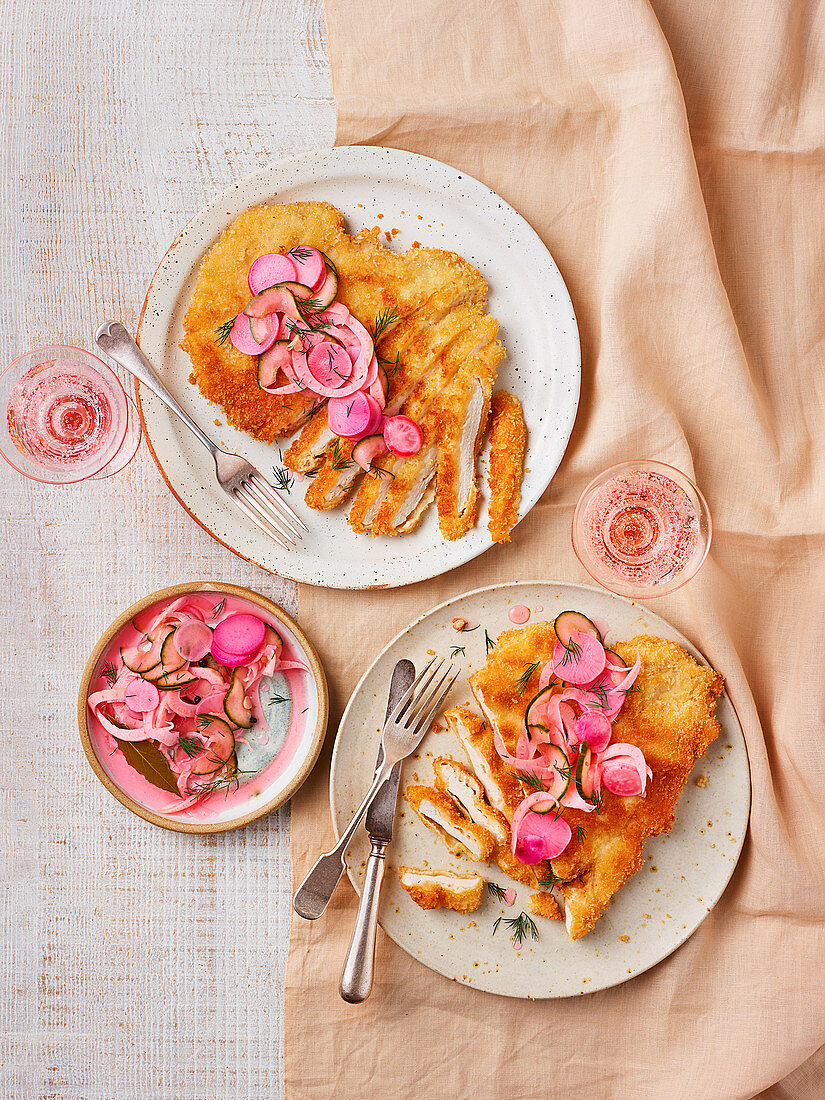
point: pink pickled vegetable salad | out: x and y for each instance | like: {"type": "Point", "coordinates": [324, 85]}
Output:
{"type": "Point", "coordinates": [565, 752]}
{"type": "Point", "coordinates": [191, 686]}
{"type": "Point", "coordinates": [310, 344]}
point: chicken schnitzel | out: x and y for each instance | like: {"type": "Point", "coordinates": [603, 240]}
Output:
{"type": "Point", "coordinates": [439, 348]}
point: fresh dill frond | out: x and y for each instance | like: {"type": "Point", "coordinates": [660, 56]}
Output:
{"type": "Point", "coordinates": [109, 673]}
{"type": "Point", "coordinates": [496, 890]}
{"type": "Point", "coordinates": [458, 649]}
{"type": "Point", "coordinates": [379, 472]}
{"type": "Point", "coordinates": [218, 608]}
{"type": "Point", "coordinates": [230, 781]}
{"type": "Point", "coordinates": [222, 331]}
{"type": "Point", "coordinates": [549, 879]}
{"type": "Point", "coordinates": [520, 928]}
{"type": "Point", "coordinates": [600, 698]}
{"type": "Point", "coordinates": [282, 479]}
{"type": "Point", "coordinates": [530, 779]}
{"type": "Point", "coordinates": [337, 460]}
{"type": "Point", "coordinates": [488, 642]}
{"type": "Point", "coordinates": [383, 321]}
{"type": "Point", "coordinates": [190, 745]}
{"type": "Point", "coordinates": [392, 366]}
{"type": "Point", "coordinates": [572, 651]}
{"type": "Point", "coordinates": [524, 679]}
{"type": "Point", "coordinates": [301, 253]}
{"type": "Point", "coordinates": [580, 832]}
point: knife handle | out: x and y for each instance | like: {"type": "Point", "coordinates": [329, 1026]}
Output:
{"type": "Point", "coordinates": [356, 977]}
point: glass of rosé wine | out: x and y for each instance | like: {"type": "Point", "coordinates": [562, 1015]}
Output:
{"type": "Point", "coordinates": [67, 417]}
{"type": "Point", "coordinates": [641, 529]}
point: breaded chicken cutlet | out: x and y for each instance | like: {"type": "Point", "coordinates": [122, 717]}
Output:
{"type": "Point", "coordinates": [440, 348]}
{"type": "Point", "coordinates": [670, 717]}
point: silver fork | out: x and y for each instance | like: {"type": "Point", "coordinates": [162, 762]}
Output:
{"type": "Point", "coordinates": [238, 478]}
{"type": "Point", "coordinates": [403, 731]}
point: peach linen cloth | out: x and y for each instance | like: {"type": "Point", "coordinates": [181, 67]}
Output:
{"type": "Point", "coordinates": [672, 158]}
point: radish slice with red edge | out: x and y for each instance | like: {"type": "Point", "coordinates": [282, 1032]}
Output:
{"type": "Point", "coordinates": [271, 269]}
{"type": "Point", "coordinates": [193, 640]}
{"type": "Point", "coordinates": [330, 364]}
{"type": "Point", "coordinates": [239, 635]}
{"type": "Point", "coordinates": [403, 436]}
{"type": "Point", "coordinates": [355, 416]}
{"type": "Point", "coordinates": [241, 337]}
{"type": "Point", "coordinates": [552, 834]}
{"type": "Point", "coordinates": [141, 696]}
{"type": "Point", "coordinates": [581, 660]}
{"type": "Point", "coordinates": [622, 779]}
{"type": "Point", "coordinates": [595, 729]}
{"type": "Point", "coordinates": [310, 269]}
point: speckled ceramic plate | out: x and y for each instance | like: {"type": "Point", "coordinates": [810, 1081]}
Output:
{"type": "Point", "coordinates": [527, 295]}
{"type": "Point", "coordinates": [684, 873]}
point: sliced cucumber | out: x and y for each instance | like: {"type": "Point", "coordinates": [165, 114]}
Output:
{"type": "Point", "coordinates": [261, 328]}
{"type": "Point", "coordinates": [272, 637]}
{"type": "Point", "coordinates": [615, 659]}
{"type": "Point", "coordinates": [583, 783]}
{"type": "Point", "coordinates": [531, 715]}
{"type": "Point", "coordinates": [328, 291]}
{"type": "Point", "coordinates": [275, 299]}
{"type": "Point", "coordinates": [170, 657]}
{"type": "Point", "coordinates": [384, 379]}
{"type": "Point", "coordinates": [276, 358]}
{"type": "Point", "coordinates": [220, 745]}
{"type": "Point", "coordinates": [367, 449]}
{"type": "Point", "coordinates": [558, 782]}
{"type": "Point", "coordinates": [137, 659]}
{"type": "Point", "coordinates": [233, 702]}
{"type": "Point", "coordinates": [572, 622]}
{"type": "Point", "coordinates": [174, 680]}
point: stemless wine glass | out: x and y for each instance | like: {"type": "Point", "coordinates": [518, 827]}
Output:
{"type": "Point", "coordinates": [68, 417]}
{"type": "Point", "coordinates": [641, 529]}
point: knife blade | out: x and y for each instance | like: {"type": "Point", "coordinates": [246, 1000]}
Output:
{"type": "Point", "coordinates": [381, 814]}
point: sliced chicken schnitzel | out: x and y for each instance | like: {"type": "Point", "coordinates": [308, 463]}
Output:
{"type": "Point", "coordinates": [669, 715]}
{"type": "Point", "coordinates": [438, 346]}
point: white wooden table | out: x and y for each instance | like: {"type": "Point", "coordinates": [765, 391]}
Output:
{"type": "Point", "coordinates": [136, 963]}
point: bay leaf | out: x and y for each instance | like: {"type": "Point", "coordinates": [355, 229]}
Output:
{"type": "Point", "coordinates": [145, 757]}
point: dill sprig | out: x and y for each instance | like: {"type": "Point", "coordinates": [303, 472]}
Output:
{"type": "Point", "coordinates": [109, 673]}
{"type": "Point", "coordinates": [218, 608]}
{"type": "Point", "coordinates": [520, 928]}
{"type": "Point", "coordinates": [496, 890]}
{"type": "Point", "coordinates": [190, 745]}
{"type": "Point", "coordinates": [458, 649]}
{"type": "Point", "coordinates": [392, 366]}
{"type": "Point", "coordinates": [572, 651]}
{"type": "Point", "coordinates": [530, 779]}
{"type": "Point", "coordinates": [580, 832]}
{"type": "Point", "coordinates": [230, 781]}
{"type": "Point", "coordinates": [549, 879]}
{"type": "Point", "coordinates": [383, 321]}
{"type": "Point", "coordinates": [278, 699]}
{"type": "Point", "coordinates": [380, 472]}
{"type": "Point", "coordinates": [222, 331]}
{"type": "Point", "coordinates": [282, 479]}
{"type": "Point", "coordinates": [337, 460]}
{"type": "Point", "coordinates": [600, 697]}
{"type": "Point", "coordinates": [564, 770]}
{"type": "Point", "coordinates": [488, 642]}
{"type": "Point", "coordinates": [300, 253]}
{"type": "Point", "coordinates": [524, 679]}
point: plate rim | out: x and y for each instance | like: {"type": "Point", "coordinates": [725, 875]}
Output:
{"type": "Point", "coordinates": [241, 186]}
{"type": "Point", "coordinates": [691, 647]}
{"type": "Point", "coordinates": [318, 734]}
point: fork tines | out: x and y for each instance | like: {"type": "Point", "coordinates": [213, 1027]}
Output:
{"type": "Point", "coordinates": [259, 500]}
{"type": "Point", "coordinates": [422, 700]}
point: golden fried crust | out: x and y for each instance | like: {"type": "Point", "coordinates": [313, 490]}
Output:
{"type": "Point", "coordinates": [508, 442]}
{"type": "Point", "coordinates": [672, 720]}
{"type": "Point", "coordinates": [442, 889]}
{"type": "Point", "coordinates": [371, 280]}
{"type": "Point", "coordinates": [440, 813]}
{"type": "Point", "coordinates": [544, 905]}
{"type": "Point", "coordinates": [502, 687]}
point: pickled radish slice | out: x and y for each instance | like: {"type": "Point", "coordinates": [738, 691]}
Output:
{"type": "Point", "coordinates": [581, 660]}
{"type": "Point", "coordinates": [355, 416]}
{"type": "Point", "coordinates": [622, 779]}
{"type": "Point", "coordinates": [509, 896]}
{"type": "Point", "coordinates": [330, 364]}
{"type": "Point", "coordinates": [193, 640]}
{"type": "Point", "coordinates": [241, 337]}
{"type": "Point", "coordinates": [403, 436]}
{"type": "Point", "coordinates": [309, 265]}
{"type": "Point", "coordinates": [539, 837]}
{"type": "Point", "coordinates": [595, 729]}
{"type": "Point", "coordinates": [271, 269]}
{"type": "Point", "coordinates": [238, 636]}
{"type": "Point", "coordinates": [141, 696]}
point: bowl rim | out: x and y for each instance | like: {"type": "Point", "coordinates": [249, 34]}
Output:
{"type": "Point", "coordinates": [318, 735]}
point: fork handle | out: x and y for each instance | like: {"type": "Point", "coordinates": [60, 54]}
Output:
{"type": "Point", "coordinates": [359, 965]}
{"type": "Point", "coordinates": [113, 338]}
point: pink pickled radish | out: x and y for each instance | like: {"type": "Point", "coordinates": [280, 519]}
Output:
{"type": "Point", "coordinates": [403, 436]}
{"type": "Point", "coordinates": [540, 836]}
{"type": "Point", "coordinates": [241, 337]}
{"type": "Point", "coordinates": [581, 660]}
{"type": "Point", "coordinates": [509, 896]}
{"type": "Point", "coordinates": [239, 636]}
{"type": "Point", "coordinates": [622, 779]}
{"type": "Point", "coordinates": [269, 270]}
{"type": "Point", "coordinates": [193, 640]}
{"type": "Point", "coordinates": [369, 450]}
{"type": "Point", "coordinates": [310, 268]}
{"type": "Point", "coordinates": [355, 416]}
{"type": "Point", "coordinates": [141, 696]}
{"type": "Point", "coordinates": [330, 364]}
{"type": "Point", "coordinates": [627, 755]}
{"type": "Point", "coordinates": [594, 728]}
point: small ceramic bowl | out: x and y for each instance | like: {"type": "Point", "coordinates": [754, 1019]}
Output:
{"type": "Point", "coordinates": [252, 799]}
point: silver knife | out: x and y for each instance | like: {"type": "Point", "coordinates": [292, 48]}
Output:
{"type": "Point", "coordinates": [356, 978]}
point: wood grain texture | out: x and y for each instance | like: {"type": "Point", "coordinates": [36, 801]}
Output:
{"type": "Point", "coordinates": [136, 962]}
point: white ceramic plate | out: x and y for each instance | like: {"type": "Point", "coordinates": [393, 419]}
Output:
{"type": "Point", "coordinates": [683, 875]}
{"type": "Point", "coordinates": [371, 187]}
